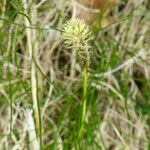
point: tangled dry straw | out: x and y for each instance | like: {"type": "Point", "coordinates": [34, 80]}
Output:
{"type": "Point", "coordinates": [36, 67]}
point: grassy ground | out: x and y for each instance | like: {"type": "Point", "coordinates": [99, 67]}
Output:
{"type": "Point", "coordinates": [41, 82]}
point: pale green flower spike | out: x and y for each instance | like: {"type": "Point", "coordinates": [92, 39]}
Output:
{"type": "Point", "coordinates": [77, 36]}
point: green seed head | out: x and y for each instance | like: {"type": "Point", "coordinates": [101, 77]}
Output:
{"type": "Point", "coordinates": [77, 36]}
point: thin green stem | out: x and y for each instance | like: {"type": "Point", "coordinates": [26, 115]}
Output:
{"type": "Point", "coordinates": [39, 115]}
{"type": "Point", "coordinates": [85, 77]}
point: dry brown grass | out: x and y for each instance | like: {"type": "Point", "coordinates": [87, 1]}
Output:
{"type": "Point", "coordinates": [36, 66]}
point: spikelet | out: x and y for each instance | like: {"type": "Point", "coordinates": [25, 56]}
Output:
{"type": "Point", "coordinates": [77, 36]}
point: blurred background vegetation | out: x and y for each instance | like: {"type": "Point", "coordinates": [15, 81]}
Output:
{"type": "Point", "coordinates": [41, 81]}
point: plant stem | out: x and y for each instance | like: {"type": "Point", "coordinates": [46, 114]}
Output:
{"type": "Point", "coordinates": [85, 77]}
{"type": "Point", "coordinates": [33, 50]}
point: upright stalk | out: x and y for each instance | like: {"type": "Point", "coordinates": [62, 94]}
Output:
{"type": "Point", "coordinates": [31, 40]}
{"type": "Point", "coordinates": [85, 77]}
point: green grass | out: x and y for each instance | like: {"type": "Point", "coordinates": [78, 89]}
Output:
{"type": "Point", "coordinates": [37, 79]}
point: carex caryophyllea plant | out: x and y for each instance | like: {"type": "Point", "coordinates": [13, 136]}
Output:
{"type": "Point", "coordinates": [77, 36]}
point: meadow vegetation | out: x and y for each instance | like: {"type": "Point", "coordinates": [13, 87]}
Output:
{"type": "Point", "coordinates": [44, 83]}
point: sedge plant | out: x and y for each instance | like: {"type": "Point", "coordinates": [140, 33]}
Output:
{"type": "Point", "coordinates": [77, 36]}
